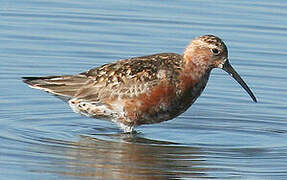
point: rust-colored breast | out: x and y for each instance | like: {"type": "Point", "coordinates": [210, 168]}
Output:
{"type": "Point", "coordinates": [139, 110]}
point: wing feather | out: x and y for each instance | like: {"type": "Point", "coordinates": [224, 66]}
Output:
{"type": "Point", "coordinates": [128, 78]}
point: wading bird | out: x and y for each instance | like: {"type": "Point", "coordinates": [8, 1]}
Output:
{"type": "Point", "coordinates": [143, 90]}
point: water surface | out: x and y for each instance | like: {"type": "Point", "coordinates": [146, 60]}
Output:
{"type": "Point", "coordinates": [224, 135]}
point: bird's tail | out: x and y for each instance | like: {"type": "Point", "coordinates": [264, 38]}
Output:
{"type": "Point", "coordinates": [66, 86]}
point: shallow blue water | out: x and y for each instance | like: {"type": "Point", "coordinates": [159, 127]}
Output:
{"type": "Point", "coordinates": [224, 135]}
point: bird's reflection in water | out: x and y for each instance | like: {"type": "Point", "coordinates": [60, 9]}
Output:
{"type": "Point", "coordinates": [131, 157]}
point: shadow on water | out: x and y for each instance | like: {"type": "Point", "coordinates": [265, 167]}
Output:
{"type": "Point", "coordinates": [130, 157]}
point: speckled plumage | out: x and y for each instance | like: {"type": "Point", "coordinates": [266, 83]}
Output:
{"type": "Point", "coordinates": [142, 90]}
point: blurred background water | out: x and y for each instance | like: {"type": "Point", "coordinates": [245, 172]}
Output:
{"type": "Point", "coordinates": [224, 135]}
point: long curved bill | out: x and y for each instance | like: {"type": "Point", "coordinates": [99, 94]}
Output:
{"type": "Point", "coordinates": [229, 69]}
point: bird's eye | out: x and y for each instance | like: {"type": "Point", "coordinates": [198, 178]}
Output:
{"type": "Point", "coordinates": [215, 51]}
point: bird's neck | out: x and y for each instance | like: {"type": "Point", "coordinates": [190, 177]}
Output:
{"type": "Point", "coordinates": [195, 69]}
{"type": "Point", "coordinates": [193, 80]}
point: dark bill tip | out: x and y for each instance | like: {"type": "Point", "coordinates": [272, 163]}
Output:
{"type": "Point", "coordinates": [229, 69]}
